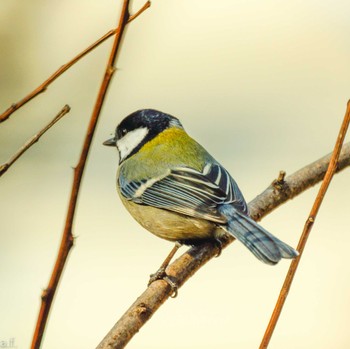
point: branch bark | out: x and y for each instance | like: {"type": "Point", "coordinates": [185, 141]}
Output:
{"type": "Point", "coordinates": [67, 236]}
{"type": "Point", "coordinates": [4, 167]}
{"type": "Point", "coordinates": [191, 261]}
{"type": "Point", "coordinates": [42, 88]}
{"type": "Point", "coordinates": [306, 231]}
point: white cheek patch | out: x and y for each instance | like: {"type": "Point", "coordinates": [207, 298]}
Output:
{"type": "Point", "coordinates": [130, 141]}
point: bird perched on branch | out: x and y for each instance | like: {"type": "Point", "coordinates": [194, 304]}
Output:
{"type": "Point", "coordinates": [175, 189]}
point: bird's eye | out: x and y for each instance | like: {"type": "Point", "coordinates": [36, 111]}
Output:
{"type": "Point", "coordinates": [124, 131]}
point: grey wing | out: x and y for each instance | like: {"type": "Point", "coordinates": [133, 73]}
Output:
{"type": "Point", "coordinates": [189, 192]}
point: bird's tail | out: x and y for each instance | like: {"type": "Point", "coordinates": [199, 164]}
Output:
{"type": "Point", "coordinates": [259, 241]}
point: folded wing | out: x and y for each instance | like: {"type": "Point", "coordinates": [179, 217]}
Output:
{"type": "Point", "coordinates": [189, 192]}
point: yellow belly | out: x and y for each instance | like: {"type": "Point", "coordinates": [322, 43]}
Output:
{"type": "Point", "coordinates": [170, 225]}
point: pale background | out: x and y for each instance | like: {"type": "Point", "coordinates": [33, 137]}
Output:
{"type": "Point", "coordinates": [262, 85]}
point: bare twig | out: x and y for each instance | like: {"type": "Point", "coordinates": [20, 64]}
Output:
{"type": "Point", "coordinates": [4, 167]}
{"type": "Point", "coordinates": [42, 88]}
{"type": "Point", "coordinates": [67, 236]}
{"type": "Point", "coordinates": [192, 260]}
{"type": "Point", "coordinates": [307, 230]}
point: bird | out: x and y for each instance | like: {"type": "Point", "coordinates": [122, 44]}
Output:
{"type": "Point", "coordinates": [176, 190]}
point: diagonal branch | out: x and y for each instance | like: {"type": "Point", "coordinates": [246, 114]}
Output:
{"type": "Point", "coordinates": [42, 88]}
{"type": "Point", "coordinates": [67, 236]}
{"type": "Point", "coordinates": [192, 260]}
{"type": "Point", "coordinates": [306, 231]}
{"type": "Point", "coordinates": [4, 167]}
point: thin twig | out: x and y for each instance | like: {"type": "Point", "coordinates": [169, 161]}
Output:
{"type": "Point", "coordinates": [192, 260]}
{"type": "Point", "coordinates": [42, 88]}
{"type": "Point", "coordinates": [307, 230]}
{"type": "Point", "coordinates": [67, 236]}
{"type": "Point", "coordinates": [4, 167]}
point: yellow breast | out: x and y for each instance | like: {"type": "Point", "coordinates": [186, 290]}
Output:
{"type": "Point", "coordinates": [171, 148]}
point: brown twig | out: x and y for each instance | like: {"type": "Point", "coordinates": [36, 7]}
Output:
{"type": "Point", "coordinates": [332, 167]}
{"type": "Point", "coordinates": [192, 260]}
{"type": "Point", "coordinates": [67, 236]}
{"type": "Point", "coordinates": [42, 88]}
{"type": "Point", "coordinates": [4, 167]}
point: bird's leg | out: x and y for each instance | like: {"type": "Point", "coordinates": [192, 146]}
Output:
{"type": "Point", "coordinates": [161, 274]}
{"type": "Point", "coordinates": [218, 244]}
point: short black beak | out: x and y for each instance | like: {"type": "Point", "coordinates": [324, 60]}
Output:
{"type": "Point", "coordinates": [110, 142]}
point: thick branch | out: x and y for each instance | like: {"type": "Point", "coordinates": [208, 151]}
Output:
{"type": "Point", "coordinates": [4, 167]}
{"type": "Point", "coordinates": [192, 260]}
{"type": "Point", "coordinates": [306, 231]}
{"type": "Point", "coordinates": [277, 193]}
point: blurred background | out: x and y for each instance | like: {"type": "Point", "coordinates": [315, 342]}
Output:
{"type": "Point", "coordinates": [263, 85]}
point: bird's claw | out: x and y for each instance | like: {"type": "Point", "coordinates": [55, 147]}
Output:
{"type": "Point", "coordinates": [173, 285]}
{"type": "Point", "coordinates": [160, 274]}
{"type": "Point", "coordinates": [218, 244]}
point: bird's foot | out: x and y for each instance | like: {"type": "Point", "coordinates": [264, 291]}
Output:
{"type": "Point", "coordinates": [218, 245]}
{"type": "Point", "coordinates": [160, 274]}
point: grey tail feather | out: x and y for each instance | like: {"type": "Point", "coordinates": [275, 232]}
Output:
{"type": "Point", "coordinates": [259, 241]}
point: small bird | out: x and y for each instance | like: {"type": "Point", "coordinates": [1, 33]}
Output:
{"type": "Point", "coordinates": [175, 189]}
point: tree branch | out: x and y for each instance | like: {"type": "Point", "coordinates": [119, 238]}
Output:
{"type": "Point", "coordinates": [42, 88]}
{"type": "Point", "coordinates": [192, 260]}
{"type": "Point", "coordinates": [306, 231]}
{"type": "Point", "coordinates": [67, 236]}
{"type": "Point", "coordinates": [4, 167]}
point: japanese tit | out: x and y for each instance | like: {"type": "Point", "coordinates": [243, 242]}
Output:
{"type": "Point", "coordinates": [175, 189]}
